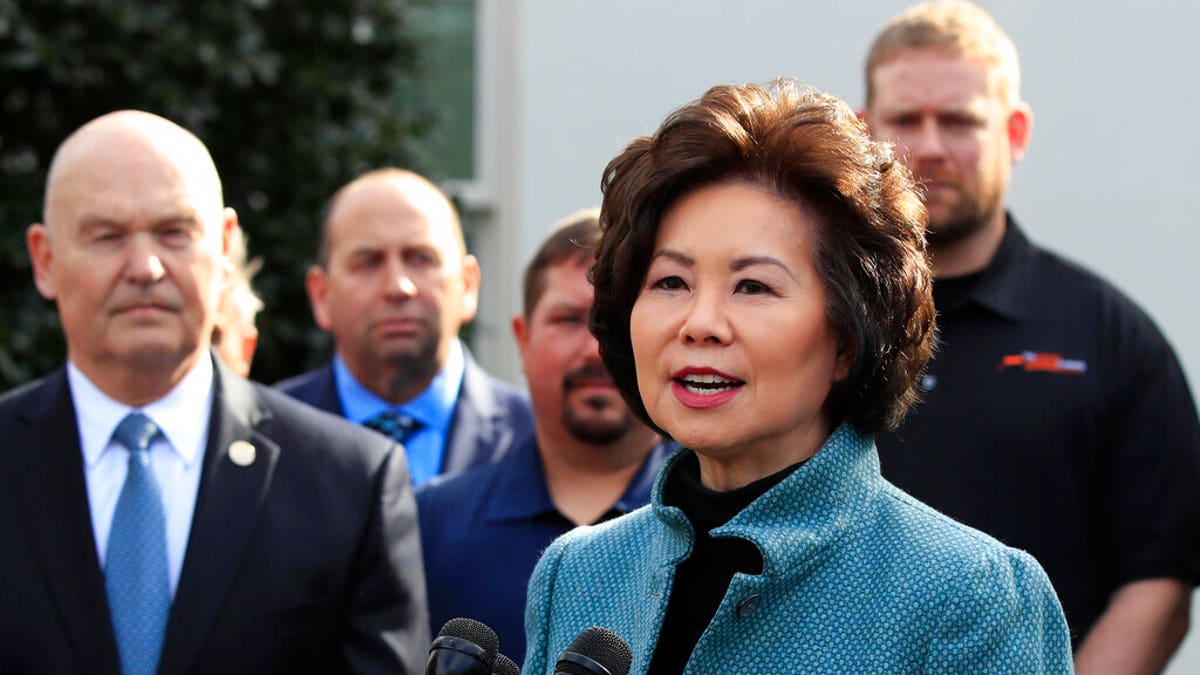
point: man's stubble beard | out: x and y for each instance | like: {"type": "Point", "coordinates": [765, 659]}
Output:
{"type": "Point", "coordinates": [596, 431]}
{"type": "Point", "coordinates": [972, 213]}
{"type": "Point", "coordinates": [958, 227]}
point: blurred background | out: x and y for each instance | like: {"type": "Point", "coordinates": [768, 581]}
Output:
{"type": "Point", "coordinates": [292, 98]}
{"type": "Point", "coordinates": [515, 106]}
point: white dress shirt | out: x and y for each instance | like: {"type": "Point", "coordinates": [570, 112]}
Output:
{"type": "Point", "coordinates": [176, 455]}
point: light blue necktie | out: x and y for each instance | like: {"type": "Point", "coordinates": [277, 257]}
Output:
{"type": "Point", "coordinates": [135, 565]}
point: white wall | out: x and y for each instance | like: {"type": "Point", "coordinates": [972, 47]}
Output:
{"type": "Point", "coordinates": [1108, 179]}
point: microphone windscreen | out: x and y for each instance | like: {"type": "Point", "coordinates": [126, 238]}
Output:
{"type": "Point", "coordinates": [463, 647]}
{"type": "Point", "coordinates": [473, 631]}
{"type": "Point", "coordinates": [505, 666]}
{"type": "Point", "coordinates": [597, 646]}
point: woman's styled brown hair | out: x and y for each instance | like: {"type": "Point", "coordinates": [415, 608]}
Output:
{"type": "Point", "coordinates": [808, 148]}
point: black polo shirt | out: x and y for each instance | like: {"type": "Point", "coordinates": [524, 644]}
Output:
{"type": "Point", "coordinates": [1056, 418]}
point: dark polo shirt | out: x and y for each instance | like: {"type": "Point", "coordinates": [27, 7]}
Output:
{"type": "Point", "coordinates": [1056, 418]}
{"type": "Point", "coordinates": [483, 530]}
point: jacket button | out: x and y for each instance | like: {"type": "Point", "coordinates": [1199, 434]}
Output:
{"type": "Point", "coordinates": [747, 605]}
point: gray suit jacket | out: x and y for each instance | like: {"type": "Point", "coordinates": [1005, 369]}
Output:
{"type": "Point", "coordinates": [490, 416]}
{"type": "Point", "coordinates": [307, 560]}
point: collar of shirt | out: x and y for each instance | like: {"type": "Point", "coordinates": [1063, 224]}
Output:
{"type": "Point", "coordinates": [521, 491]}
{"type": "Point", "coordinates": [175, 414]}
{"type": "Point", "coordinates": [1004, 285]}
{"type": "Point", "coordinates": [432, 407]}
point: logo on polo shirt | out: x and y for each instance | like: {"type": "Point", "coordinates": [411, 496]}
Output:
{"type": "Point", "coordinates": [1042, 362]}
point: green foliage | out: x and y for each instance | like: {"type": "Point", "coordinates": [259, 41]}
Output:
{"type": "Point", "coordinates": [293, 98]}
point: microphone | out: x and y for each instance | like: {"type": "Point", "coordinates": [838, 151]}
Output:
{"type": "Point", "coordinates": [595, 651]}
{"type": "Point", "coordinates": [505, 666]}
{"type": "Point", "coordinates": [463, 647]}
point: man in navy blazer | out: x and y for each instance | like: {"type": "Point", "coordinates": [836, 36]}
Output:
{"type": "Point", "coordinates": [394, 284]}
{"type": "Point", "coordinates": [276, 538]}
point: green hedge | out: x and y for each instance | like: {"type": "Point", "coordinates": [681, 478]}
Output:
{"type": "Point", "coordinates": [293, 98]}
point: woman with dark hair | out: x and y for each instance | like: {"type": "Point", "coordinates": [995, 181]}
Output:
{"type": "Point", "coordinates": [763, 297]}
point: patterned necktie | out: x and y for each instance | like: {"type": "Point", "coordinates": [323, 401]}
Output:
{"type": "Point", "coordinates": [135, 565]}
{"type": "Point", "coordinates": [396, 426]}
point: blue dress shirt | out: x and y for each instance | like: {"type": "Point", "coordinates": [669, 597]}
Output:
{"type": "Point", "coordinates": [483, 530]}
{"type": "Point", "coordinates": [433, 408]}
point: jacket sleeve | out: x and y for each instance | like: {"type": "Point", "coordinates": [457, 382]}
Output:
{"type": "Point", "coordinates": [538, 601]}
{"type": "Point", "coordinates": [386, 624]}
{"type": "Point", "coordinates": [1001, 616]}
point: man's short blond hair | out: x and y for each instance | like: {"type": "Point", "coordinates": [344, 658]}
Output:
{"type": "Point", "coordinates": [957, 27]}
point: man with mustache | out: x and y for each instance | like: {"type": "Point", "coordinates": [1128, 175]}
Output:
{"type": "Point", "coordinates": [483, 530]}
{"type": "Point", "coordinates": [158, 513]}
{"type": "Point", "coordinates": [1056, 416]}
{"type": "Point", "coordinates": [394, 284]}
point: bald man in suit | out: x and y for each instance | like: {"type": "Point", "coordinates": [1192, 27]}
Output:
{"type": "Point", "coordinates": [394, 284]}
{"type": "Point", "coordinates": [233, 530]}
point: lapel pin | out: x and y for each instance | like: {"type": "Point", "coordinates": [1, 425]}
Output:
{"type": "Point", "coordinates": [242, 453]}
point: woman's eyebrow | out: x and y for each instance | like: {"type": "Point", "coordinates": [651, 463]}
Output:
{"type": "Point", "coordinates": [673, 255]}
{"type": "Point", "coordinates": [750, 261]}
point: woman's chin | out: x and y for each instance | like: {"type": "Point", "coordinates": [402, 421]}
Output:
{"type": "Point", "coordinates": [700, 441]}
{"type": "Point", "coordinates": [706, 445]}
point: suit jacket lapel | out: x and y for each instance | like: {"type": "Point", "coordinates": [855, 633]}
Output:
{"type": "Point", "coordinates": [474, 429]}
{"type": "Point", "coordinates": [321, 391]}
{"type": "Point", "coordinates": [52, 496]}
{"type": "Point", "coordinates": [328, 399]}
{"type": "Point", "coordinates": [227, 507]}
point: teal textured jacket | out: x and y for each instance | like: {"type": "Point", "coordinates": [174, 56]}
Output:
{"type": "Point", "coordinates": [858, 577]}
